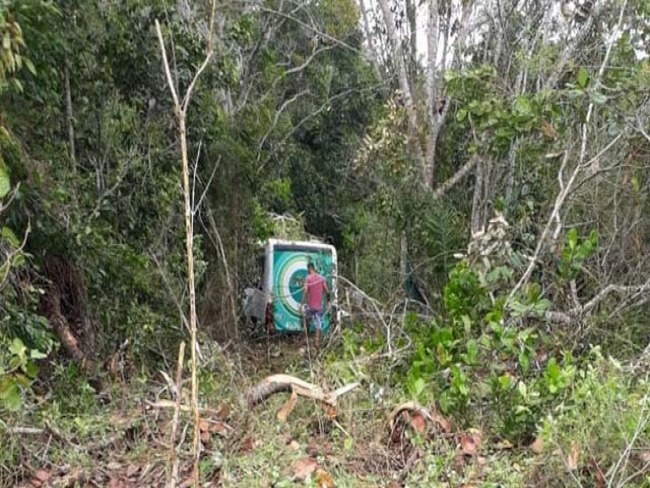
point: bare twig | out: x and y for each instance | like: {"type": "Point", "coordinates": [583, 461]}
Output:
{"type": "Point", "coordinates": [13, 254]}
{"type": "Point", "coordinates": [173, 476]}
{"type": "Point", "coordinates": [180, 109]}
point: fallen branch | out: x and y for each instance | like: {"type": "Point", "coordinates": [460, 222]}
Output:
{"type": "Point", "coordinates": [182, 408]}
{"type": "Point", "coordinates": [282, 382]}
{"type": "Point", "coordinates": [418, 417]}
{"type": "Point", "coordinates": [410, 408]}
{"type": "Point", "coordinates": [630, 296]}
{"type": "Point", "coordinates": [25, 431]}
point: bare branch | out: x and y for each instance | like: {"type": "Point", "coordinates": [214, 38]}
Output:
{"type": "Point", "coordinates": [13, 254]}
{"type": "Point", "coordinates": [284, 105]}
{"type": "Point", "coordinates": [567, 188]}
{"type": "Point", "coordinates": [314, 29]}
{"type": "Point", "coordinates": [457, 177]}
{"type": "Point", "coordinates": [168, 73]}
{"type": "Point", "coordinates": [569, 51]}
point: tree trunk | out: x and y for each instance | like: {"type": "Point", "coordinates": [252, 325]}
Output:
{"type": "Point", "coordinates": [69, 114]}
{"type": "Point", "coordinates": [403, 260]}
{"type": "Point", "coordinates": [432, 91]}
{"type": "Point", "coordinates": [411, 16]}
{"type": "Point", "coordinates": [370, 40]}
{"type": "Point", "coordinates": [477, 200]}
{"type": "Point", "coordinates": [402, 76]}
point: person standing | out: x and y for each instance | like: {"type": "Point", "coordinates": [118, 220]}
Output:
{"type": "Point", "coordinates": [314, 290]}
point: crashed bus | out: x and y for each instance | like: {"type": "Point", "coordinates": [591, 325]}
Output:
{"type": "Point", "coordinates": [276, 302]}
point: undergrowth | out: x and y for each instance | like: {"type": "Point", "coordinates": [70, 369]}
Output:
{"type": "Point", "coordinates": [596, 431]}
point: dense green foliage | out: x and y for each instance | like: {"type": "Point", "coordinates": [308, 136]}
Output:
{"type": "Point", "coordinates": [497, 292]}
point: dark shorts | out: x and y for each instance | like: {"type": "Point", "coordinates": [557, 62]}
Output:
{"type": "Point", "coordinates": [315, 317]}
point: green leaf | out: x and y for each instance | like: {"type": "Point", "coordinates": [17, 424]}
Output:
{"type": "Point", "coordinates": [472, 351]}
{"type": "Point", "coordinates": [524, 361]}
{"type": "Point", "coordinates": [12, 399]}
{"type": "Point", "coordinates": [18, 348]}
{"type": "Point", "coordinates": [542, 306]}
{"type": "Point", "coordinates": [598, 98]}
{"type": "Point", "coordinates": [10, 393]}
{"type": "Point", "coordinates": [552, 371]}
{"type": "Point", "coordinates": [6, 383]}
{"type": "Point", "coordinates": [14, 363]}
{"type": "Point", "coordinates": [505, 132]}
{"type": "Point", "coordinates": [461, 115]}
{"type": "Point", "coordinates": [31, 370]}
{"type": "Point", "coordinates": [522, 105]}
{"type": "Point", "coordinates": [22, 380]}
{"type": "Point", "coordinates": [583, 77]}
{"type": "Point", "coordinates": [36, 354]}
{"type": "Point", "coordinates": [418, 387]}
{"type": "Point", "coordinates": [523, 390]}
{"type": "Point", "coordinates": [573, 238]}
{"type": "Point", "coordinates": [5, 182]}
{"type": "Point", "coordinates": [9, 235]}
{"type": "Point", "coordinates": [18, 84]}
{"type": "Point", "coordinates": [30, 66]}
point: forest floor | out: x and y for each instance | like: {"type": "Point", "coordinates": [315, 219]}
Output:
{"type": "Point", "coordinates": [123, 439]}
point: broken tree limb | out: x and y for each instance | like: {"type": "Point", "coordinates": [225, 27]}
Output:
{"type": "Point", "coordinates": [410, 408]}
{"type": "Point", "coordinates": [418, 417]}
{"type": "Point", "coordinates": [282, 382]}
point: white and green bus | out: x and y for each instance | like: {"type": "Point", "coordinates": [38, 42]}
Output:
{"type": "Point", "coordinates": [277, 301]}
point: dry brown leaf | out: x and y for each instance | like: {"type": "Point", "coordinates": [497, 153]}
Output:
{"type": "Point", "coordinates": [419, 423]}
{"type": "Point", "coordinates": [594, 467]}
{"type": "Point", "coordinates": [645, 457]}
{"type": "Point", "coordinates": [189, 481]}
{"type": "Point", "coordinates": [442, 422]}
{"type": "Point", "coordinates": [77, 475]}
{"type": "Point", "coordinates": [330, 411]}
{"type": "Point", "coordinates": [40, 478]}
{"type": "Point", "coordinates": [467, 445]}
{"type": "Point", "coordinates": [538, 445]}
{"type": "Point", "coordinates": [459, 462]}
{"type": "Point", "coordinates": [218, 428]}
{"type": "Point", "coordinates": [132, 470]}
{"type": "Point", "coordinates": [323, 479]}
{"type": "Point", "coordinates": [470, 442]}
{"type": "Point", "coordinates": [116, 483]}
{"type": "Point", "coordinates": [304, 467]}
{"type": "Point", "coordinates": [204, 425]}
{"type": "Point", "coordinates": [247, 445]}
{"type": "Point", "coordinates": [288, 407]}
{"type": "Point", "coordinates": [477, 436]}
{"type": "Point", "coordinates": [223, 412]}
{"type": "Point", "coordinates": [503, 445]}
{"type": "Point", "coordinates": [574, 455]}
{"type": "Point", "coordinates": [205, 437]}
